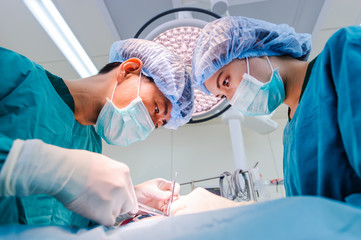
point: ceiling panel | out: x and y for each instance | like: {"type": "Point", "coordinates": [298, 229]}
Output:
{"type": "Point", "coordinates": [322, 38]}
{"type": "Point", "coordinates": [61, 68]}
{"type": "Point", "coordinates": [87, 24]}
{"type": "Point", "coordinates": [343, 13]}
{"type": "Point", "coordinates": [129, 16]}
{"type": "Point", "coordinates": [301, 14]}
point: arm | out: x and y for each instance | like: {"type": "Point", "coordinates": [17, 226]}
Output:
{"type": "Point", "coordinates": [87, 183]}
{"type": "Point", "coordinates": [345, 54]}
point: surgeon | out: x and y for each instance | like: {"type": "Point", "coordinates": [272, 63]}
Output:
{"type": "Point", "coordinates": [52, 172]}
{"type": "Point", "coordinates": [257, 66]}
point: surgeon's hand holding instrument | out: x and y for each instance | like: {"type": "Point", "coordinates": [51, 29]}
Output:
{"type": "Point", "coordinates": [87, 183]}
{"type": "Point", "coordinates": [156, 192]}
{"type": "Point", "coordinates": [125, 218]}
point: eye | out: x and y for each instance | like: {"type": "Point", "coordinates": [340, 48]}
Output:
{"type": "Point", "coordinates": [226, 82]}
{"type": "Point", "coordinates": [156, 109]}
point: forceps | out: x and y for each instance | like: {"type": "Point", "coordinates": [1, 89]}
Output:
{"type": "Point", "coordinates": [171, 197]}
{"type": "Point", "coordinates": [142, 208]}
{"type": "Point", "coordinates": [150, 210]}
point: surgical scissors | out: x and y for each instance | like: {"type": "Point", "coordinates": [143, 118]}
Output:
{"type": "Point", "coordinates": [172, 196]}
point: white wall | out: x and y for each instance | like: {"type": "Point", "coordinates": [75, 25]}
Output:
{"type": "Point", "coordinates": [201, 151]}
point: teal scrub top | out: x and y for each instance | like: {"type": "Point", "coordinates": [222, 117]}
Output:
{"type": "Point", "coordinates": [35, 104]}
{"type": "Point", "coordinates": [322, 142]}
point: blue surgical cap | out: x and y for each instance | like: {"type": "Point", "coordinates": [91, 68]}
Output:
{"type": "Point", "coordinates": [166, 69]}
{"type": "Point", "coordinates": [229, 38]}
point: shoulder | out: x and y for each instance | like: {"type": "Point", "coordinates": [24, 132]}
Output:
{"type": "Point", "coordinates": [15, 69]}
{"type": "Point", "coordinates": [7, 55]}
{"type": "Point", "coordinates": [343, 47]}
{"type": "Point", "coordinates": [345, 36]}
{"type": "Point", "coordinates": [13, 63]}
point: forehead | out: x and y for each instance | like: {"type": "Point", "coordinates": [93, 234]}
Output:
{"type": "Point", "coordinates": [151, 89]}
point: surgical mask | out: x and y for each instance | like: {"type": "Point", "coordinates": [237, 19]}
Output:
{"type": "Point", "coordinates": [124, 126]}
{"type": "Point", "coordinates": [253, 97]}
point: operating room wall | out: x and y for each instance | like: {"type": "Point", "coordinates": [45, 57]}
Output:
{"type": "Point", "coordinates": [201, 151]}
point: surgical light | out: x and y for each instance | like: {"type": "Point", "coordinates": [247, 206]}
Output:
{"type": "Point", "coordinates": [182, 40]}
{"type": "Point", "coordinates": [51, 20]}
{"type": "Point", "coordinates": [180, 36]}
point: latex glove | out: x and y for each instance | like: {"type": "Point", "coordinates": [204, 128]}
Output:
{"type": "Point", "coordinates": [155, 193]}
{"type": "Point", "coordinates": [87, 183]}
{"type": "Point", "coordinates": [200, 200]}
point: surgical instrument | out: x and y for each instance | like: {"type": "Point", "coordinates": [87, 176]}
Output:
{"type": "Point", "coordinates": [172, 196]}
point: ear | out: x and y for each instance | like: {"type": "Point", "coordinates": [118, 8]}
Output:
{"type": "Point", "coordinates": [132, 65]}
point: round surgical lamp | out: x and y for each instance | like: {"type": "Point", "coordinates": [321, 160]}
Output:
{"type": "Point", "coordinates": [180, 36]}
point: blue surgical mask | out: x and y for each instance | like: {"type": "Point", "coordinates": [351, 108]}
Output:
{"type": "Point", "coordinates": [124, 126]}
{"type": "Point", "coordinates": [253, 97]}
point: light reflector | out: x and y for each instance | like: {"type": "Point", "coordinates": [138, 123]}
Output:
{"type": "Point", "coordinates": [182, 40]}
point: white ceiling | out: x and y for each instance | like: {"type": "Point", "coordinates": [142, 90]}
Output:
{"type": "Point", "coordinates": [98, 23]}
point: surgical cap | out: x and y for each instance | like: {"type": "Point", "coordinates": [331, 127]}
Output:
{"type": "Point", "coordinates": [229, 38]}
{"type": "Point", "coordinates": [166, 69]}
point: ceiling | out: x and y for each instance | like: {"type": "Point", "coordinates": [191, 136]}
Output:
{"type": "Point", "coordinates": [98, 23]}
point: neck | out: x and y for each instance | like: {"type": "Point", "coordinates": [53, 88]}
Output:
{"type": "Point", "coordinates": [293, 73]}
{"type": "Point", "coordinates": [90, 95]}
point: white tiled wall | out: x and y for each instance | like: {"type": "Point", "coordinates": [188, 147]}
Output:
{"type": "Point", "coordinates": [201, 151]}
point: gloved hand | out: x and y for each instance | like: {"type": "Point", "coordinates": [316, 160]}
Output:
{"type": "Point", "coordinates": [200, 200]}
{"type": "Point", "coordinates": [87, 183]}
{"type": "Point", "coordinates": [155, 193]}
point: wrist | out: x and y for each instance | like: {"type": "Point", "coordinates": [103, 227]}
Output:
{"type": "Point", "coordinates": [7, 176]}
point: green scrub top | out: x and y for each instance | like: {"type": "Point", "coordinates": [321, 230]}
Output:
{"type": "Point", "coordinates": [35, 104]}
{"type": "Point", "coordinates": [322, 142]}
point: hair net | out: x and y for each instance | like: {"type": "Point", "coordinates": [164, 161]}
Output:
{"type": "Point", "coordinates": [228, 38]}
{"type": "Point", "coordinates": [166, 69]}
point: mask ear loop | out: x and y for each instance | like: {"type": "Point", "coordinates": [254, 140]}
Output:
{"type": "Point", "coordinates": [247, 66]}
{"type": "Point", "coordinates": [111, 99]}
{"type": "Point", "coordinates": [140, 77]}
{"type": "Point", "coordinates": [269, 62]}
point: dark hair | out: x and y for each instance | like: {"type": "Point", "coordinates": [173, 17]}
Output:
{"type": "Point", "coordinates": [109, 67]}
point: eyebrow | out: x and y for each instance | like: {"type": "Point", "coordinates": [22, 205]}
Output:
{"type": "Point", "coordinates": [166, 108]}
{"type": "Point", "coordinates": [219, 75]}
